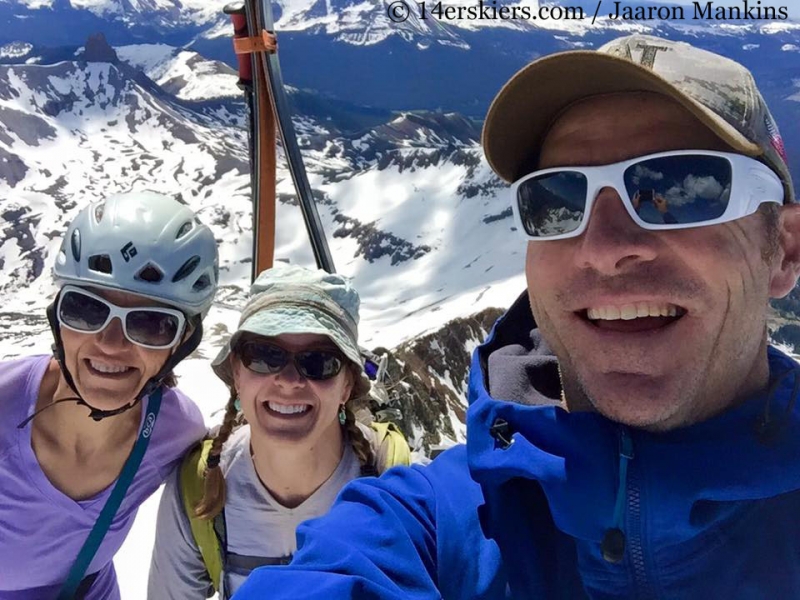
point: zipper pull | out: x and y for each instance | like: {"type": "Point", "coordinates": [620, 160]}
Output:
{"type": "Point", "coordinates": [613, 545]}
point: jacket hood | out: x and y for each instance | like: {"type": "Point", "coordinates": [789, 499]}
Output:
{"type": "Point", "coordinates": [575, 457]}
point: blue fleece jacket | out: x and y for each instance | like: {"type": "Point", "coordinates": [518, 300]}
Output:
{"type": "Point", "coordinates": [542, 503]}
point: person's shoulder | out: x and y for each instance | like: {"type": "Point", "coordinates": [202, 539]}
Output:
{"type": "Point", "coordinates": [179, 426]}
{"type": "Point", "coordinates": [177, 407]}
{"type": "Point", "coordinates": [374, 439]}
{"type": "Point", "coordinates": [370, 434]}
{"type": "Point", "coordinates": [236, 448]}
{"type": "Point", "coordinates": [20, 379]}
{"type": "Point", "coordinates": [16, 371]}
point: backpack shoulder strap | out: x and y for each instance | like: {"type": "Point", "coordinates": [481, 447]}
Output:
{"type": "Point", "coordinates": [109, 510]}
{"type": "Point", "coordinates": [393, 445]}
{"type": "Point", "coordinates": [205, 537]}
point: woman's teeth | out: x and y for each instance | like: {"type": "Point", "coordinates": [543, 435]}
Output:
{"type": "Point", "coordinates": [290, 409]}
{"type": "Point", "coordinates": [105, 368]}
{"type": "Point", "coordinates": [627, 312]}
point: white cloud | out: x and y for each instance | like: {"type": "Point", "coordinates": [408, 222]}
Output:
{"type": "Point", "coordinates": [707, 188]}
{"type": "Point", "coordinates": [640, 172]}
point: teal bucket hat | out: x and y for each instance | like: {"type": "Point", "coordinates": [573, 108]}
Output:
{"type": "Point", "coordinates": [293, 299]}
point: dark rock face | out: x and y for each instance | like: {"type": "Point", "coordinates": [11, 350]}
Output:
{"type": "Point", "coordinates": [12, 168]}
{"type": "Point", "coordinates": [504, 214]}
{"type": "Point", "coordinates": [374, 243]}
{"type": "Point", "coordinates": [28, 128]}
{"type": "Point", "coordinates": [98, 50]}
{"type": "Point", "coordinates": [428, 375]}
{"type": "Point", "coordinates": [20, 226]}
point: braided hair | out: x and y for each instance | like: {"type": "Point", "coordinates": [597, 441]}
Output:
{"type": "Point", "coordinates": [213, 480]}
{"type": "Point", "coordinates": [361, 445]}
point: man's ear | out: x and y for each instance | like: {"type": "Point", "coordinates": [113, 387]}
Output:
{"type": "Point", "coordinates": [786, 269]}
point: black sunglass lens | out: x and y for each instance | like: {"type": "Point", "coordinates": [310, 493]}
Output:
{"type": "Point", "coordinates": [82, 312]}
{"type": "Point", "coordinates": [152, 328]}
{"type": "Point", "coordinates": [263, 358]}
{"type": "Point", "coordinates": [683, 189]}
{"type": "Point", "coordinates": [552, 204]}
{"type": "Point", "coordinates": [318, 364]}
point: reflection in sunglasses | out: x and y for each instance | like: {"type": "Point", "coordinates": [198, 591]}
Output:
{"type": "Point", "coordinates": [268, 359]}
{"type": "Point", "coordinates": [150, 327]}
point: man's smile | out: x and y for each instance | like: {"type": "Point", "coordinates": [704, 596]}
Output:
{"type": "Point", "coordinates": [633, 316]}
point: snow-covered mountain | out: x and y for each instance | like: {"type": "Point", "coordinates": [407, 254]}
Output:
{"type": "Point", "coordinates": [137, 16]}
{"type": "Point", "coordinates": [411, 209]}
{"type": "Point", "coordinates": [185, 74]}
{"type": "Point", "coordinates": [403, 196]}
{"type": "Point", "coordinates": [403, 201]}
{"type": "Point", "coordinates": [354, 52]}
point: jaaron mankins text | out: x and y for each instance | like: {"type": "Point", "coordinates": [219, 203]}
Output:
{"type": "Point", "coordinates": [707, 11]}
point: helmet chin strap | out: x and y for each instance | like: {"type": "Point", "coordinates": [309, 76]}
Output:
{"type": "Point", "coordinates": [183, 350]}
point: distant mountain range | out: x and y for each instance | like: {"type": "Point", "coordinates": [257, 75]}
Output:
{"type": "Point", "coordinates": [393, 189]}
{"type": "Point", "coordinates": [388, 119]}
{"type": "Point", "coordinates": [353, 52]}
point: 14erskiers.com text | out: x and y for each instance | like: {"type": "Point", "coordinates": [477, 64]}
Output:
{"type": "Point", "coordinates": [708, 11]}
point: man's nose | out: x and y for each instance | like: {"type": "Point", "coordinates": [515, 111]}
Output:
{"type": "Point", "coordinates": [612, 242]}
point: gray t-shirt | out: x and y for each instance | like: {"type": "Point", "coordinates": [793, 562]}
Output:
{"type": "Point", "coordinates": [256, 524]}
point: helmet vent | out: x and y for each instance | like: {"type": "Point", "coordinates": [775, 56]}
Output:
{"type": "Point", "coordinates": [99, 211]}
{"type": "Point", "coordinates": [150, 273]}
{"type": "Point", "coordinates": [185, 228]}
{"type": "Point", "coordinates": [101, 263]}
{"type": "Point", "coordinates": [187, 268]}
{"type": "Point", "coordinates": [75, 242]}
{"type": "Point", "coordinates": [202, 283]}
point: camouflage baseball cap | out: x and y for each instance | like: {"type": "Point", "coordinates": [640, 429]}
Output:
{"type": "Point", "coordinates": [720, 92]}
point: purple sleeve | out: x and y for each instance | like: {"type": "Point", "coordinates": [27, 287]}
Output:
{"type": "Point", "coordinates": [42, 528]}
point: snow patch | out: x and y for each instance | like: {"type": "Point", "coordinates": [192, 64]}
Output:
{"type": "Point", "coordinates": [186, 74]}
{"type": "Point", "coordinates": [15, 50]}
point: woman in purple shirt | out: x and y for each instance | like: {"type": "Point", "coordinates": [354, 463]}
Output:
{"type": "Point", "coordinates": [82, 440]}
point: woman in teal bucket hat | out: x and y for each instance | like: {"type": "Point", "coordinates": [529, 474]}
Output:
{"type": "Point", "coordinates": [295, 374]}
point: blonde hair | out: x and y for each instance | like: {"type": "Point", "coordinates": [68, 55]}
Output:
{"type": "Point", "coordinates": [214, 488]}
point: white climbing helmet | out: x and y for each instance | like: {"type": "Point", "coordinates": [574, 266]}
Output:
{"type": "Point", "coordinates": [143, 243]}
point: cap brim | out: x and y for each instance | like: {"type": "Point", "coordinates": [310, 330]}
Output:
{"type": "Point", "coordinates": [525, 108]}
{"type": "Point", "coordinates": [282, 320]}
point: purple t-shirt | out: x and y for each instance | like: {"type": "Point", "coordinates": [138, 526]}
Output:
{"type": "Point", "coordinates": [41, 529]}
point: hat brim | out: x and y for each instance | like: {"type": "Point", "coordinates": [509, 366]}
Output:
{"type": "Point", "coordinates": [525, 108]}
{"type": "Point", "coordinates": [280, 320]}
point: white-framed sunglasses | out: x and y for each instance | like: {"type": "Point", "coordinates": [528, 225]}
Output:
{"type": "Point", "coordinates": [663, 191]}
{"type": "Point", "coordinates": [152, 327]}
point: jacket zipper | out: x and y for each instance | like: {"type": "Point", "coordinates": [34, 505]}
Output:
{"type": "Point", "coordinates": [642, 587]}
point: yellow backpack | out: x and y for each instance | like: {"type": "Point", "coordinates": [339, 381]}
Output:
{"type": "Point", "coordinates": [209, 534]}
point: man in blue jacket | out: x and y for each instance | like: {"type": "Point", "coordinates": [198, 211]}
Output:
{"type": "Point", "coordinates": [631, 434]}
